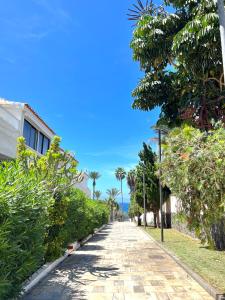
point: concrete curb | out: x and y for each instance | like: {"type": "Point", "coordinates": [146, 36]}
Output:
{"type": "Point", "coordinates": [205, 285]}
{"type": "Point", "coordinates": [47, 268]}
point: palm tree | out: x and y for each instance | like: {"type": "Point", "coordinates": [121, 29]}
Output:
{"type": "Point", "coordinates": [112, 193]}
{"type": "Point", "coordinates": [131, 180]}
{"type": "Point", "coordinates": [94, 176]}
{"type": "Point", "coordinates": [120, 174]}
{"type": "Point", "coordinates": [98, 194]}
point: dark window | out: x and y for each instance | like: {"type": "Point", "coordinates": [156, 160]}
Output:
{"type": "Point", "coordinates": [46, 145]}
{"type": "Point", "coordinates": [30, 134]}
{"type": "Point", "coordinates": [40, 142]}
{"type": "Point", "coordinates": [43, 143]}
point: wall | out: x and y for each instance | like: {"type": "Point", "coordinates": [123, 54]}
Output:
{"type": "Point", "coordinates": [83, 186]}
{"type": "Point", "coordinates": [11, 117]}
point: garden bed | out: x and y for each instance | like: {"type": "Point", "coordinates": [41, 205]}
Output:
{"type": "Point", "coordinates": [209, 264]}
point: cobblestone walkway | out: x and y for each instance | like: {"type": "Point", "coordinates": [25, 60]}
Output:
{"type": "Point", "coordinates": [119, 263]}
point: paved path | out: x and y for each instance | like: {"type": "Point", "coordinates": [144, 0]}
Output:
{"type": "Point", "coordinates": [119, 263]}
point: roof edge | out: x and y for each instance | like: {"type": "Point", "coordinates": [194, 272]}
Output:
{"type": "Point", "coordinates": [26, 105]}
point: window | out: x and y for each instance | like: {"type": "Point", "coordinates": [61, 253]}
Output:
{"type": "Point", "coordinates": [43, 143]}
{"type": "Point", "coordinates": [40, 142]}
{"type": "Point", "coordinates": [30, 134]}
{"type": "Point", "coordinates": [46, 145]}
{"type": "Point", "coordinates": [34, 139]}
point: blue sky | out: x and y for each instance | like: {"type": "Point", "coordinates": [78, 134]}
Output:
{"type": "Point", "coordinates": [71, 61]}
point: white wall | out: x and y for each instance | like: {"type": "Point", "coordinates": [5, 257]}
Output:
{"type": "Point", "coordinates": [83, 186]}
{"type": "Point", "coordinates": [175, 204]}
{"type": "Point", "coordinates": [149, 218]}
{"type": "Point", "coordinates": [11, 117]}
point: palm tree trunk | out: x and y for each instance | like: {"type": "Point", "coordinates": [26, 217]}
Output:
{"type": "Point", "coordinates": [93, 196]}
{"type": "Point", "coordinates": [111, 214]}
{"type": "Point", "coordinates": [122, 192]}
{"type": "Point", "coordinates": [122, 197]}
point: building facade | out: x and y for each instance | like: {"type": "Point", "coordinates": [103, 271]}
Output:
{"type": "Point", "coordinates": [19, 119]}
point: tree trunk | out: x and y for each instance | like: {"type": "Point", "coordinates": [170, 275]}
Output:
{"type": "Point", "coordinates": [93, 196]}
{"type": "Point", "coordinates": [218, 235]}
{"type": "Point", "coordinates": [121, 181]}
{"type": "Point", "coordinates": [139, 220]}
{"type": "Point", "coordinates": [111, 214]}
{"type": "Point", "coordinates": [155, 219]}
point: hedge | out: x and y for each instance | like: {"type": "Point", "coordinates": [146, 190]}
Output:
{"type": "Point", "coordinates": [40, 213]}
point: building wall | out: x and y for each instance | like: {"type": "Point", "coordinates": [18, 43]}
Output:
{"type": "Point", "coordinates": [11, 119]}
{"type": "Point", "coordinates": [175, 205]}
{"type": "Point", "coordinates": [83, 186]}
{"type": "Point", "coordinates": [12, 115]}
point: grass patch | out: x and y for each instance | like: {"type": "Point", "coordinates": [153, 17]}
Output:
{"type": "Point", "coordinates": [209, 264]}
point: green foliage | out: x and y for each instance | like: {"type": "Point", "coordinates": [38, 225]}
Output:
{"type": "Point", "coordinates": [146, 166]}
{"type": "Point", "coordinates": [134, 208]}
{"type": "Point", "coordinates": [112, 203]}
{"type": "Point", "coordinates": [131, 180]}
{"type": "Point", "coordinates": [83, 216]}
{"type": "Point", "coordinates": [194, 169]}
{"type": "Point", "coordinates": [57, 169]}
{"type": "Point", "coordinates": [98, 195]}
{"type": "Point", "coordinates": [180, 53]}
{"type": "Point", "coordinates": [40, 213]}
{"type": "Point", "coordinates": [24, 204]}
{"type": "Point", "coordinates": [120, 173]}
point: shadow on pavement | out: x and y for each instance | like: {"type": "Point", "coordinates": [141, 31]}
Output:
{"type": "Point", "coordinates": [78, 271]}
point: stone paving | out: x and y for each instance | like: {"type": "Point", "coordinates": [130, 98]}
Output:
{"type": "Point", "coordinates": [119, 263]}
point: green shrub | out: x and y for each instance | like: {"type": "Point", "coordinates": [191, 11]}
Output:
{"type": "Point", "coordinates": [83, 216]}
{"type": "Point", "coordinates": [194, 169]}
{"type": "Point", "coordinates": [40, 213]}
{"type": "Point", "coordinates": [23, 221]}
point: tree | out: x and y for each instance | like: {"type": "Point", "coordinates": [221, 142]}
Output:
{"type": "Point", "coordinates": [147, 165]}
{"type": "Point", "coordinates": [114, 206]}
{"type": "Point", "coordinates": [94, 176]}
{"type": "Point", "coordinates": [98, 195]}
{"type": "Point", "coordinates": [120, 174]}
{"type": "Point", "coordinates": [194, 169]}
{"type": "Point", "coordinates": [131, 181]}
{"type": "Point", "coordinates": [180, 54]}
{"type": "Point", "coordinates": [135, 210]}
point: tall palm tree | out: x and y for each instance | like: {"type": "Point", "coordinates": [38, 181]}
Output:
{"type": "Point", "coordinates": [131, 180]}
{"type": "Point", "coordinates": [113, 193]}
{"type": "Point", "coordinates": [94, 176]}
{"type": "Point", "coordinates": [120, 174]}
{"type": "Point", "coordinates": [98, 194]}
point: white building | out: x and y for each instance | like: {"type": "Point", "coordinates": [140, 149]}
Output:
{"type": "Point", "coordinates": [19, 119]}
{"type": "Point", "coordinates": [83, 185]}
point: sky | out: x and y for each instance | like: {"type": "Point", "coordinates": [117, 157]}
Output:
{"type": "Point", "coordinates": [71, 61]}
